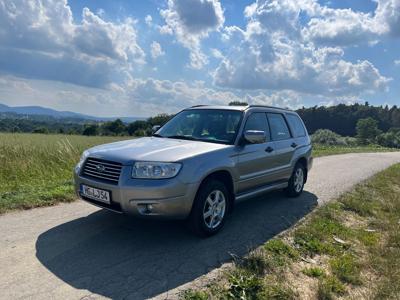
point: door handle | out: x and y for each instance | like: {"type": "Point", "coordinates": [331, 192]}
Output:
{"type": "Point", "coordinates": [293, 145]}
{"type": "Point", "coordinates": [269, 149]}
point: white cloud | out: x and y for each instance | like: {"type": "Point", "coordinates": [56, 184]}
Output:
{"type": "Point", "coordinates": [397, 62]}
{"type": "Point", "coordinates": [39, 38]}
{"type": "Point", "coordinates": [388, 13]}
{"type": "Point", "coordinates": [191, 21]}
{"type": "Point", "coordinates": [347, 27]}
{"type": "Point", "coordinates": [216, 53]}
{"type": "Point", "coordinates": [342, 27]}
{"type": "Point", "coordinates": [272, 53]}
{"type": "Point", "coordinates": [284, 99]}
{"type": "Point", "coordinates": [156, 50]}
{"type": "Point", "coordinates": [149, 20]}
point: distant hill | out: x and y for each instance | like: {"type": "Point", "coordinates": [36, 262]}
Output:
{"type": "Point", "coordinates": [44, 111]}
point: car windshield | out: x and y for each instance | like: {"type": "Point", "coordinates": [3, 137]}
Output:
{"type": "Point", "coordinates": [208, 125]}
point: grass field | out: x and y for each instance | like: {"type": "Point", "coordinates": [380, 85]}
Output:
{"type": "Point", "coordinates": [347, 249]}
{"type": "Point", "coordinates": [36, 169]}
{"type": "Point", "coordinates": [323, 150]}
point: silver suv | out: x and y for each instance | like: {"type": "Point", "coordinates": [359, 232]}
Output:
{"type": "Point", "coordinates": [199, 164]}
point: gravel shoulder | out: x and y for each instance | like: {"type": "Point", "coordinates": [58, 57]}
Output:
{"type": "Point", "coordinates": [76, 250]}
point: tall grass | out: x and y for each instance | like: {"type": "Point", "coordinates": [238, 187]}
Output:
{"type": "Point", "coordinates": [36, 170]}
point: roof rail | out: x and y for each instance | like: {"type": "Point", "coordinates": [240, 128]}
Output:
{"type": "Point", "coordinates": [200, 105]}
{"type": "Point", "coordinates": [268, 106]}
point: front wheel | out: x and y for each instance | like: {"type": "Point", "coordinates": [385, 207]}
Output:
{"type": "Point", "coordinates": [296, 181]}
{"type": "Point", "coordinates": [209, 208]}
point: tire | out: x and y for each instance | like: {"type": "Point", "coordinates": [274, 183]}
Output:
{"type": "Point", "coordinates": [209, 209]}
{"type": "Point", "coordinates": [296, 181]}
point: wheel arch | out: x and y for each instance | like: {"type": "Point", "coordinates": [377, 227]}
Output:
{"type": "Point", "coordinates": [302, 160]}
{"type": "Point", "coordinates": [226, 178]}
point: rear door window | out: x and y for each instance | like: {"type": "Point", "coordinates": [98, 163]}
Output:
{"type": "Point", "coordinates": [279, 128]}
{"type": "Point", "coordinates": [296, 125]}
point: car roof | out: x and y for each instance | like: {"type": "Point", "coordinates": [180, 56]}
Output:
{"type": "Point", "coordinates": [238, 107]}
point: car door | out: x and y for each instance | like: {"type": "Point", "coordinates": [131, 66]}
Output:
{"type": "Point", "coordinates": [284, 145]}
{"type": "Point", "coordinates": [298, 130]}
{"type": "Point", "coordinates": [255, 160]}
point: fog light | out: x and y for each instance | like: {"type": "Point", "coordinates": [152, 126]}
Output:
{"type": "Point", "coordinates": [149, 208]}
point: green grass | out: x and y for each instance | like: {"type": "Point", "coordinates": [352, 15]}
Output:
{"type": "Point", "coordinates": [323, 150]}
{"type": "Point", "coordinates": [348, 240]}
{"type": "Point", "coordinates": [313, 272]}
{"type": "Point", "coordinates": [36, 170]}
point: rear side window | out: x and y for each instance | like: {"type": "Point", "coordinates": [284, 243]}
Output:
{"type": "Point", "coordinates": [296, 125]}
{"type": "Point", "coordinates": [258, 121]}
{"type": "Point", "coordinates": [279, 129]}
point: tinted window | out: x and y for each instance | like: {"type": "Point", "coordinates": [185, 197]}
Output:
{"type": "Point", "coordinates": [257, 121]}
{"type": "Point", "coordinates": [296, 125]}
{"type": "Point", "coordinates": [279, 129]}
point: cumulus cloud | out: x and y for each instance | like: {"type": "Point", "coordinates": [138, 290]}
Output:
{"type": "Point", "coordinates": [388, 14]}
{"type": "Point", "coordinates": [191, 21]}
{"type": "Point", "coordinates": [41, 38]}
{"type": "Point", "coordinates": [342, 27]}
{"type": "Point", "coordinates": [272, 53]}
{"type": "Point", "coordinates": [156, 50]}
{"type": "Point", "coordinates": [149, 20]}
{"type": "Point", "coordinates": [347, 27]}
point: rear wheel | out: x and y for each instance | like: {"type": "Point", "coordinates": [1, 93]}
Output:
{"type": "Point", "coordinates": [209, 208]}
{"type": "Point", "coordinates": [296, 181]}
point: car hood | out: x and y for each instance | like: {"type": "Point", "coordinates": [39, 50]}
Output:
{"type": "Point", "coordinates": [152, 149]}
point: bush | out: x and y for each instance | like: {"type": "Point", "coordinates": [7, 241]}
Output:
{"type": "Point", "coordinates": [389, 139]}
{"type": "Point", "coordinates": [328, 137]}
{"type": "Point", "coordinates": [91, 130]}
{"type": "Point", "coordinates": [42, 130]}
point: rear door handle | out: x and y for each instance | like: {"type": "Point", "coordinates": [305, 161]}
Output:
{"type": "Point", "coordinates": [269, 149]}
{"type": "Point", "coordinates": [293, 145]}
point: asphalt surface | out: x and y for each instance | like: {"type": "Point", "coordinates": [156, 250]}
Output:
{"type": "Point", "coordinates": [75, 251]}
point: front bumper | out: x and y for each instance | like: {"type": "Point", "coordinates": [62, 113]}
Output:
{"type": "Point", "coordinates": [167, 198]}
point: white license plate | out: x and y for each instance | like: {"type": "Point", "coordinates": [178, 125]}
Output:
{"type": "Point", "coordinates": [95, 194]}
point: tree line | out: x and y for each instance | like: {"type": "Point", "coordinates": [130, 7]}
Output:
{"type": "Point", "coordinates": [382, 123]}
{"type": "Point", "coordinates": [343, 119]}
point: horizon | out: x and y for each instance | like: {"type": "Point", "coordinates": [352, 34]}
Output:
{"type": "Point", "coordinates": [138, 59]}
{"type": "Point", "coordinates": [161, 112]}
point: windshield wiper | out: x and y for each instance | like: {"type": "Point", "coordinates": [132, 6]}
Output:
{"type": "Point", "coordinates": [182, 137]}
{"type": "Point", "coordinates": [156, 135]}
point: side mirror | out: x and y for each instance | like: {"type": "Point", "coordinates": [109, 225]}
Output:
{"type": "Point", "coordinates": [155, 128]}
{"type": "Point", "coordinates": [255, 136]}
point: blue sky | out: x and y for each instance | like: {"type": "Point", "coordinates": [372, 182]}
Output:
{"type": "Point", "coordinates": [139, 58]}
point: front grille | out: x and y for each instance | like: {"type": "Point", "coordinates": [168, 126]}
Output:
{"type": "Point", "coordinates": [103, 170]}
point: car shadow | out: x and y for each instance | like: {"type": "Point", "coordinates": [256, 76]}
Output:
{"type": "Point", "coordinates": [121, 257]}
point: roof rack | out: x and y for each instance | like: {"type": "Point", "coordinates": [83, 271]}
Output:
{"type": "Point", "coordinates": [268, 106]}
{"type": "Point", "coordinates": [200, 105]}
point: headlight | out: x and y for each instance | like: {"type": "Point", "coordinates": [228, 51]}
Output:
{"type": "Point", "coordinates": [84, 155]}
{"type": "Point", "coordinates": [155, 170]}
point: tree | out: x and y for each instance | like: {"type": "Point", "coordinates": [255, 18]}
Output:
{"type": "Point", "coordinates": [137, 126]}
{"type": "Point", "coordinates": [116, 127]}
{"type": "Point", "coordinates": [367, 130]}
{"type": "Point", "coordinates": [91, 130]}
{"type": "Point", "coordinates": [43, 130]}
{"type": "Point", "coordinates": [160, 119]}
{"type": "Point", "coordinates": [238, 103]}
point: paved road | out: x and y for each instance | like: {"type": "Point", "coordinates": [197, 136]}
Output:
{"type": "Point", "coordinates": [74, 251]}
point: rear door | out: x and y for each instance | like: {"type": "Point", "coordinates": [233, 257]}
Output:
{"type": "Point", "coordinates": [298, 129]}
{"type": "Point", "coordinates": [284, 145]}
{"type": "Point", "coordinates": [256, 160]}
